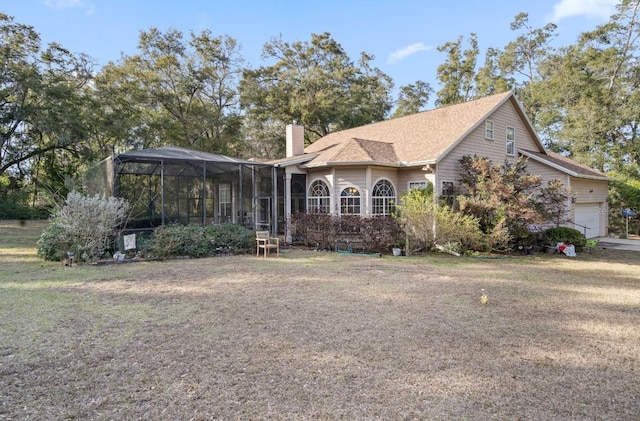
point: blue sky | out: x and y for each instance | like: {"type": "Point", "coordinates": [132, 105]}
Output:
{"type": "Point", "coordinates": [401, 34]}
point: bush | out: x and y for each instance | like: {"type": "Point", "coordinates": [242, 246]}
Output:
{"type": "Point", "coordinates": [84, 225]}
{"type": "Point", "coordinates": [179, 240]}
{"type": "Point", "coordinates": [197, 241]}
{"type": "Point", "coordinates": [418, 215]}
{"type": "Point", "coordinates": [315, 229]}
{"type": "Point", "coordinates": [234, 236]}
{"type": "Point", "coordinates": [381, 233]}
{"type": "Point", "coordinates": [320, 230]}
{"type": "Point", "coordinates": [567, 235]}
{"type": "Point", "coordinates": [53, 243]}
{"type": "Point", "coordinates": [458, 228]}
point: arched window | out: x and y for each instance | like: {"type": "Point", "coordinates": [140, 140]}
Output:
{"type": "Point", "coordinates": [350, 201]}
{"type": "Point", "coordinates": [384, 198]}
{"type": "Point", "coordinates": [318, 197]}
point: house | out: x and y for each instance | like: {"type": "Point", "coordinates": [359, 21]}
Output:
{"type": "Point", "coordinates": [364, 170]}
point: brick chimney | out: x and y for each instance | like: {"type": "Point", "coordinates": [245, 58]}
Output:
{"type": "Point", "coordinates": [295, 140]}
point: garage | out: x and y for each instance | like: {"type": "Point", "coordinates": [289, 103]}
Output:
{"type": "Point", "coordinates": [588, 215]}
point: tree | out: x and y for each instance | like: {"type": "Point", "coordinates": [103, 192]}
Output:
{"type": "Point", "coordinates": [42, 91]}
{"type": "Point", "coordinates": [490, 79]}
{"type": "Point", "coordinates": [593, 96]}
{"type": "Point", "coordinates": [180, 92]}
{"type": "Point", "coordinates": [502, 197]}
{"type": "Point", "coordinates": [316, 84]}
{"type": "Point", "coordinates": [412, 98]}
{"type": "Point", "coordinates": [520, 60]}
{"type": "Point", "coordinates": [457, 74]}
{"type": "Point", "coordinates": [624, 192]}
{"type": "Point", "coordinates": [513, 68]}
{"type": "Point", "coordinates": [554, 202]}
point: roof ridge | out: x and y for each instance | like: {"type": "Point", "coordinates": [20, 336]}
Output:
{"type": "Point", "coordinates": [341, 147]}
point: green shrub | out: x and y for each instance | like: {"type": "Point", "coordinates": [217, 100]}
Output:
{"type": "Point", "coordinates": [53, 243]}
{"type": "Point", "coordinates": [197, 241]}
{"type": "Point", "coordinates": [234, 236]}
{"type": "Point", "coordinates": [458, 228]}
{"type": "Point", "coordinates": [418, 214]}
{"type": "Point", "coordinates": [179, 240]}
{"type": "Point", "coordinates": [567, 235]}
{"type": "Point", "coordinates": [194, 241]}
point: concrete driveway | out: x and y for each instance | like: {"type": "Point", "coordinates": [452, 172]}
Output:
{"type": "Point", "coordinates": [617, 243]}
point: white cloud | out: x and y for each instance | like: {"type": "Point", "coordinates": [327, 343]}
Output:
{"type": "Point", "coordinates": [593, 8]}
{"type": "Point", "coordinates": [63, 4]}
{"type": "Point", "coordinates": [89, 9]}
{"type": "Point", "coordinates": [405, 52]}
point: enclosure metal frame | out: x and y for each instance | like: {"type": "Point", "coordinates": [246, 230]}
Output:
{"type": "Point", "coordinates": [159, 162]}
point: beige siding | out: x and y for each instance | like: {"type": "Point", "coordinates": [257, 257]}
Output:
{"type": "Point", "coordinates": [412, 175]}
{"type": "Point", "coordinates": [476, 144]}
{"type": "Point", "coordinates": [589, 191]}
{"type": "Point", "coordinates": [325, 175]}
{"type": "Point", "coordinates": [347, 177]}
{"type": "Point", "coordinates": [381, 172]}
{"type": "Point", "coordinates": [546, 173]}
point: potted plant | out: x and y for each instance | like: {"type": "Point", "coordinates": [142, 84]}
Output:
{"type": "Point", "coordinates": [398, 247]}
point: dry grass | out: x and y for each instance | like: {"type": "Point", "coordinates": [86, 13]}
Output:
{"type": "Point", "coordinates": [321, 336]}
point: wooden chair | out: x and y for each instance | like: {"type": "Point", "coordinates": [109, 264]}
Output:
{"type": "Point", "coordinates": [265, 242]}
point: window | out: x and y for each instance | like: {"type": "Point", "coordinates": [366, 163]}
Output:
{"type": "Point", "coordinates": [384, 198]}
{"type": "Point", "coordinates": [319, 197]}
{"type": "Point", "coordinates": [448, 193]}
{"type": "Point", "coordinates": [511, 141]}
{"type": "Point", "coordinates": [488, 130]}
{"type": "Point", "coordinates": [224, 203]}
{"type": "Point", "coordinates": [418, 185]}
{"type": "Point", "coordinates": [350, 201]}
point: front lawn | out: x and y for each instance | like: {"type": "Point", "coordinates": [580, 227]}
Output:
{"type": "Point", "coordinates": [317, 335]}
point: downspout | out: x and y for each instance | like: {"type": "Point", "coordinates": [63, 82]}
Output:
{"type": "Point", "coordinates": [274, 201]}
{"type": "Point", "coordinates": [254, 192]}
{"type": "Point", "coordinates": [162, 188]}
{"type": "Point", "coordinates": [204, 194]}
{"type": "Point", "coordinates": [367, 194]}
{"type": "Point", "coordinates": [287, 206]}
{"type": "Point", "coordinates": [114, 174]}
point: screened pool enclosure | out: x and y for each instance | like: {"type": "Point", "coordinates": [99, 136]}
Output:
{"type": "Point", "coordinates": [172, 184]}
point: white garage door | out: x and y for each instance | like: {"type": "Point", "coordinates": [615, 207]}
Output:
{"type": "Point", "coordinates": [586, 214]}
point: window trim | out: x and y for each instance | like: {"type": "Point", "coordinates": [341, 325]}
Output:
{"type": "Point", "coordinates": [447, 199]}
{"type": "Point", "coordinates": [489, 133]}
{"type": "Point", "coordinates": [352, 197]}
{"type": "Point", "coordinates": [425, 182]}
{"type": "Point", "coordinates": [314, 203]}
{"type": "Point", "coordinates": [388, 202]}
{"type": "Point", "coordinates": [224, 200]}
{"type": "Point", "coordinates": [510, 143]}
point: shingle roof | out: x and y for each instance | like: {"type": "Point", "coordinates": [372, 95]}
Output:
{"type": "Point", "coordinates": [421, 137]}
{"type": "Point", "coordinates": [566, 165]}
{"type": "Point", "coordinates": [362, 150]}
